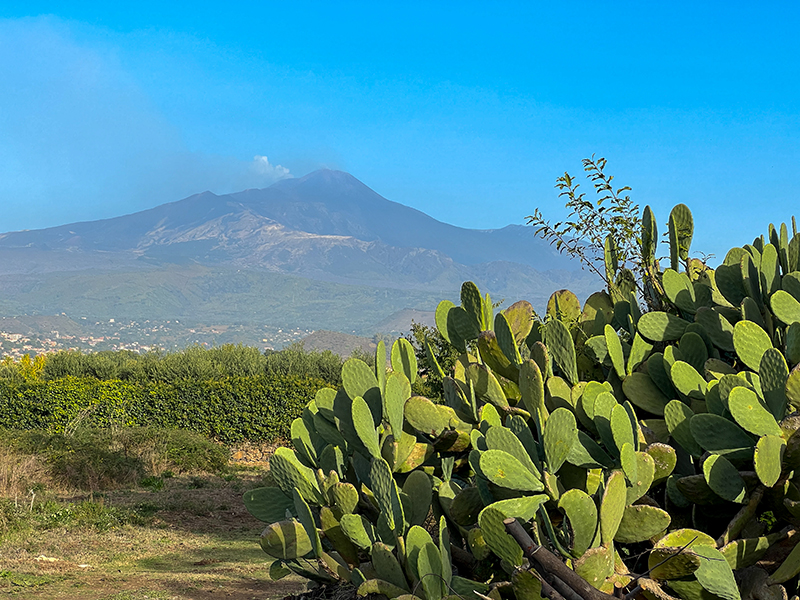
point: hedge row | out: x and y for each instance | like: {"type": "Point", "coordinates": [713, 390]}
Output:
{"type": "Point", "coordinates": [258, 409]}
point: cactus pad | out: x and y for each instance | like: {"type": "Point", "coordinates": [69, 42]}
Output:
{"type": "Point", "coordinates": [641, 522]}
{"type": "Point", "coordinates": [581, 513]}
{"type": "Point", "coordinates": [504, 470]}
{"type": "Point", "coordinates": [645, 472]}
{"type": "Point", "coordinates": [688, 381]}
{"type": "Point", "coordinates": [750, 342]}
{"type": "Point", "coordinates": [717, 434]}
{"type": "Point", "coordinates": [773, 373]}
{"type": "Point", "coordinates": [499, 541]}
{"type": "Point", "coordinates": [793, 387]}
{"type": "Point", "coordinates": [614, 347]}
{"type": "Point", "coordinates": [289, 473]}
{"type": "Point", "coordinates": [612, 506]}
{"type": "Point", "coordinates": [768, 458]}
{"type": "Point", "coordinates": [658, 326]}
{"type": "Point", "coordinates": [359, 380]}
{"type": "Point", "coordinates": [596, 565]}
{"type": "Point", "coordinates": [487, 388]}
{"type": "Point", "coordinates": [750, 413]}
{"type": "Point", "coordinates": [397, 391]}
{"type": "Point", "coordinates": [404, 360]}
{"type": "Point", "coordinates": [724, 479]}
{"type": "Point", "coordinates": [385, 563]}
{"type": "Point", "coordinates": [419, 489]}
{"type": "Point", "coordinates": [562, 348]}
{"type": "Point", "coordinates": [681, 563]}
{"type": "Point", "coordinates": [286, 540]}
{"type": "Point", "coordinates": [268, 504]}
{"type": "Point", "coordinates": [358, 530]}
{"type": "Point", "coordinates": [560, 435]}
{"type": "Point", "coordinates": [424, 416]}
{"type": "Point", "coordinates": [365, 429]}
{"type": "Point", "coordinates": [785, 307]}
{"type": "Point", "coordinates": [429, 571]}
{"type": "Point", "coordinates": [502, 438]}
{"type": "Point", "coordinates": [664, 459]}
{"type": "Point", "coordinates": [678, 418]}
{"type": "Point", "coordinates": [520, 318]}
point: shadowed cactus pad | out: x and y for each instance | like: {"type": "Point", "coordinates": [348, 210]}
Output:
{"type": "Point", "coordinates": [750, 342]}
{"type": "Point", "coordinates": [661, 326]}
{"type": "Point", "coordinates": [504, 470]}
{"type": "Point", "coordinates": [724, 479]}
{"type": "Point", "coordinates": [286, 540]}
{"type": "Point", "coordinates": [641, 522]}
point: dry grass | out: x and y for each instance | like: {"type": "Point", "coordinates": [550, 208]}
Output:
{"type": "Point", "coordinates": [195, 541]}
{"type": "Point", "coordinates": [20, 473]}
{"type": "Point", "coordinates": [178, 537]}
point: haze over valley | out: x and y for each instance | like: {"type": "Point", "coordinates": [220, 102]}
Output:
{"type": "Point", "coordinates": [266, 266]}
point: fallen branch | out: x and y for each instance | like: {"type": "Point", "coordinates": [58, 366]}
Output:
{"type": "Point", "coordinates": [561, 578]}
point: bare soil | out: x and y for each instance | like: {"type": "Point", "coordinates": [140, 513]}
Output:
{"type": "Point", "coordinates": [195, 541]}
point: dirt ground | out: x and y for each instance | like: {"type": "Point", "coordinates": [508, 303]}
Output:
{"type": "Point", "coordinates": [196, 542]}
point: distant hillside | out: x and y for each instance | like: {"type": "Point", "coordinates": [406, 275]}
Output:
{"type": "Point", "coordinates": [400, 322]}
{"type": "Point", "coordinates": [319, 252]}
{"type": "Point", "coordinates": [339, 343]}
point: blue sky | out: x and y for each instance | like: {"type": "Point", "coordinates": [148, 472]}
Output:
{"type": "Point", "coordinates": [467, 111]}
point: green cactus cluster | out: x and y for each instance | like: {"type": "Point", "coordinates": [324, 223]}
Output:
{"type": "Point", "coordinates": [657, 453]}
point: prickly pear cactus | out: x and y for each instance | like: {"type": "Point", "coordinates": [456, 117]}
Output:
{"type": "Point", "coordinates": [615, 437]}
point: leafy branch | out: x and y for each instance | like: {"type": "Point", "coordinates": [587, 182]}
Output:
{"type": "Point", "coordinates": [582, 235]}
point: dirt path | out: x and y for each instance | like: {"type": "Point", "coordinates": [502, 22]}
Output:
{"type": "Point", "coordinates": [195, 541]}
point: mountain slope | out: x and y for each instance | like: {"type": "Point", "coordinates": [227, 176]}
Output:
{"type": "Point", "coordinates": [216, 257]}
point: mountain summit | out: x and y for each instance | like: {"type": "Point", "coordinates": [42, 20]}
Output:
{"type": "Point", "coordinates": [326, 226]}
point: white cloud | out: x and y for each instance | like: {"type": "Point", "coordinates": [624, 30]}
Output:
{"type": "Point", "coordinates": [264, 168]}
